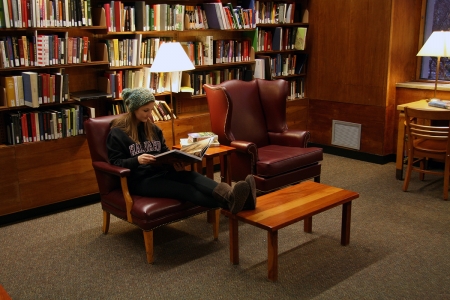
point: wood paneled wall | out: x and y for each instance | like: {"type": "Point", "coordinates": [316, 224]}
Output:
{"type": "Point", "coordinates": [359, 49]}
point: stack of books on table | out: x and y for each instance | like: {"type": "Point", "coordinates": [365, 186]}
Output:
{"type": "Point", "coordinates": [198, 136]}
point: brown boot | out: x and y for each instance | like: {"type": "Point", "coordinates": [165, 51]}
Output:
{"type": "Point", "coordinates": [250, 203]}
{"type": "Point", "coordinates": [230, 198]}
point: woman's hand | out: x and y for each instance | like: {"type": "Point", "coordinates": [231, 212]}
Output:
{"type": "Point", "coordinates": [145, 159]}
{"type": "Point", "coordinates": [178, 166]}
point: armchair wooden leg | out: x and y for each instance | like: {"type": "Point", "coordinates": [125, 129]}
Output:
{"type": "Point", "coordinates": [106, 217]}
{"type": "Point", "coordinates": [148, 240]}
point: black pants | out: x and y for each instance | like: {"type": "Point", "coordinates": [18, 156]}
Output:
{"type": "Point", "coordinates": [184, 185]}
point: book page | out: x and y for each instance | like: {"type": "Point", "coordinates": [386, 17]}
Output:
{"type": "Point", "coordinates": [198, 148]}
{"type": "Point", "coordinates": [192, 153]}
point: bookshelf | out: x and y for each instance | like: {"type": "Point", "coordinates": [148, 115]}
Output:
{"type": "Point", "coordinates": [39, 173]}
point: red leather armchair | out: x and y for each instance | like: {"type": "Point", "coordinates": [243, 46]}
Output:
{"type": "Point", "coordinates": [144, 212]}
{"type": "Point", "coordinates": [251, 117]}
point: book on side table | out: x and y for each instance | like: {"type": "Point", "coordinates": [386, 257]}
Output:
{"type": "Point", "coordinates": [192, 153]}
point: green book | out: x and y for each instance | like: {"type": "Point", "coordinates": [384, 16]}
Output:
{"type": "Point", "coordinates": [2, 16]}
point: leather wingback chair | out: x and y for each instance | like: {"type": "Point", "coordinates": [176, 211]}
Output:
{"type": "Point", "coordinates": [147, 213]}
{"type": "Point", "coordinates": [251, 117]}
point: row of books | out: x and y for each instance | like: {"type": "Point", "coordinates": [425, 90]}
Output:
{"type": "Point", "coordinates": [133, 51]}
{"type": "Point", "coordinates": [160, 112]}
{"type": "Point", "coordinates": [50, 124]}
{"type": "Point", "coordinates": [43, 50]}
{"type": "Point", "coordinates": [45, 13]}
{"type": "Point", "coordinates": [228, 51]}
{"type": "Point", "coordinates": [198, 79]}
{"type": "Point", "coordinates": [225, 16]}
{"type": "Point", "coordinates": [270, 12]}
{"type": "Point", "coordinates": [267, 67]}
{"type": "Point", "coordinates": [279, 39]}
{"type": "Point", "coordinates": [156, 82]}
{"type": "Point", "coordinates": [206, 51]}
{"type": "Point", "coordinates": [32, 89]}
{"type": "Point", "coordinates": [164, 17]}
{"type": "Point", "coordinates": [296, 89]}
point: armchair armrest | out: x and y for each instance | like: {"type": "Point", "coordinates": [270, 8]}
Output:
{"type": "Point", "coordinates": [246, 147]}
{"type": "Point", "coordinates": [291, 138]}
{"type": "Point", "coordinates": [111, 169]}
{"type": "Point", "coordinates": [246, 154]}
{"type": "Point", "coordinates": [123, 173]}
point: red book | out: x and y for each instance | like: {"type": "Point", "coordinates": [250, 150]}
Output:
{"type": "Point", "coordinates": [85, 48]}
{"type": "Point", "coordinates": [45, 90]}
{"type": "Point", "coordinates": [23, 121]}
{"type": "Point", "coordinates": [55, 50]}
{"type": "Point", "coordinates": [119, 86]}
{"type": "Point", "coordinates": [107, 8]}
{"type": "Point", "coordinates": [118, 16]}
{"type": "Point", "coordinates": [23, 7]}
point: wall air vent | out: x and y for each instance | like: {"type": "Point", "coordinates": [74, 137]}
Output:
{"type": "Point", "coordinates": [346, 134]}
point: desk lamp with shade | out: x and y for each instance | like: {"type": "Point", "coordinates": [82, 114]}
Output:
{"type": "Point", "coordinates": [437, 45]}
{"type": "Point", "coordinates": [171, 57]}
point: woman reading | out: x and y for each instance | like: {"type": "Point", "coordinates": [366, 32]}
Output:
{"type": "Point", "coordinates": [134, 140]}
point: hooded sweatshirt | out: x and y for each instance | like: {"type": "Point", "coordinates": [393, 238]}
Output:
{"type": "Point", "coordinates": [124, 152]}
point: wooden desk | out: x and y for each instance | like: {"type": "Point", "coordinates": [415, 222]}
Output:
{"type": "Point", "coordinates": [288, 206]}
{"type": "Point", "coordinates": [421, 104]}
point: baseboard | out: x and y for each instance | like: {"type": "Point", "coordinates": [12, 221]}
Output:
{"type": "Point", "coordinates": [48, 209]}
{"type": "Point", "coordinates": [373, 158]}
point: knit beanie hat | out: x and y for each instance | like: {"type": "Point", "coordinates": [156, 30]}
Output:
{"type": "Point", "coordinates": [136, 97]}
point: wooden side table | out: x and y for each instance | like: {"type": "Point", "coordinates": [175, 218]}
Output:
{"type": "Point", "coordinates": [224, 153]}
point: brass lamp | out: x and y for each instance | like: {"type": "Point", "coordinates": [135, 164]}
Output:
{"type": "Point", "coordinates": [170, 58]}
{"type": "Point", "coordinates": [437, 45]}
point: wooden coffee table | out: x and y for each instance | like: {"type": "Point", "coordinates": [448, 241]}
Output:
{"type": "Point", "coordinates": [287, 206]}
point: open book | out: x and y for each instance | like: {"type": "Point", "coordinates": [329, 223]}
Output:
{"type": "Point", "coordinates": [192, 153]}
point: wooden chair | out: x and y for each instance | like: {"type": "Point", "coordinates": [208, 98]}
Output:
{"type": "Point", "coordinates": [147, 213]}
{"type": "Point", "coordinates": [427, 142]}
{"type": "Point", "coordinates": [251, 117]}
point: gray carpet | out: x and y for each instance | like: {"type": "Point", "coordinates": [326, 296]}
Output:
{"type": "Point", "coordinates": [399, 249]}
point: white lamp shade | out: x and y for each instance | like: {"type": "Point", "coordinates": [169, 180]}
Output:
{"type": "Point", "coordinates": [171, 58]}
{"type": "Point", "coordinates": [437, 45]}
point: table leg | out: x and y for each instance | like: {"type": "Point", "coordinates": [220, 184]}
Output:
{"type": "Point", "coordinates": [234, 240]}
{"type": "Point", "coordinates": [346, 218]}
{"type": "Point", "coordinates": [307, 225]}
{"type": "Point", "coordinates": [210, 174]}
{"type": "Point", "coordinates": [400, 146]}
{"type": "Point", "coordinates": [272, 253]}
{"type": "Point", "coordinates": [225, 168]}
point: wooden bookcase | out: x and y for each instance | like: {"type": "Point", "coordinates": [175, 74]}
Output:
{"type": "Point", "coordinates": [37, 174]}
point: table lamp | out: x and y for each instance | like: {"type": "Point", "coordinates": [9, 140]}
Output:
{"type": "Point", "coordinates": [437, 45]}
{"type": "Point", "coordinates": [171, 57]}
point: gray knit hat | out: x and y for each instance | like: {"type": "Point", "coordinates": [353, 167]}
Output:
{"type": "Point", "coordinates": [136, 97]}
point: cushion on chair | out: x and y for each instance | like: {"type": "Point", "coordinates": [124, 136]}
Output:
{"type": "Point", "coordinates": [149, 213]}
{"type": "Point", "coordinates": [275, 160]}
